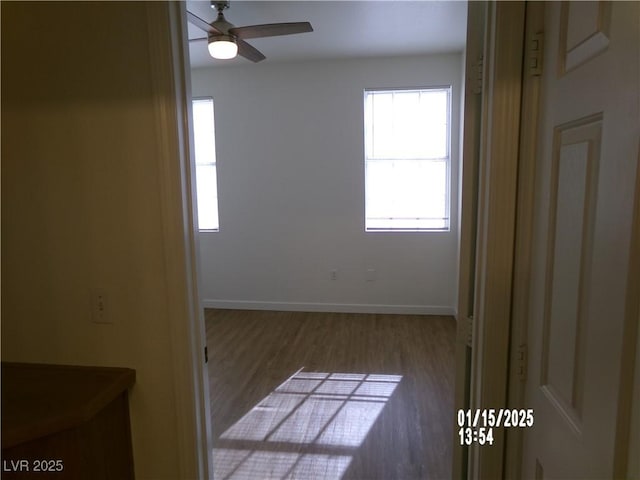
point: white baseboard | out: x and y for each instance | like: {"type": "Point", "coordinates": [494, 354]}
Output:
{"type": "Point", "coordinates": [329, 307]}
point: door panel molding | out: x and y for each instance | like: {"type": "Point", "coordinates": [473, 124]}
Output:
{"type": "Point", "coordinates": [584, 33]}
{"type": "Point", "coordinates": [574, 180]}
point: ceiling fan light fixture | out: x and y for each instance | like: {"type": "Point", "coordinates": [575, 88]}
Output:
{"type": "Point", "coordinates": [222, 47]}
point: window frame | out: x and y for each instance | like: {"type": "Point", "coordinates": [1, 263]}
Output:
{"type": "Point", "coordinates": [448, 88]}
{"type": "Point", "coordinates": [214, 164]}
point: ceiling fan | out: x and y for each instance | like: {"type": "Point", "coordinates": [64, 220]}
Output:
{"type": "Point", "coordinates": [226, 41]}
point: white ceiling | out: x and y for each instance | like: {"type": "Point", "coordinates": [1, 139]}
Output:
{"type": "Point", "coordinates": [342, 29]}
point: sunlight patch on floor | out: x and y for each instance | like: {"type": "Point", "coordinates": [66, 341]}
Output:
{"type": "Point", "coordinates": [252, 465]}
{"type": "Point", "coordinates": [308, 427]}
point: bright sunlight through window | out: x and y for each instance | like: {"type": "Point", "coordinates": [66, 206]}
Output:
{"type": "Point", "coordinates": [407, 160]}
{"type": "Point", "coordinates": [205, 153]}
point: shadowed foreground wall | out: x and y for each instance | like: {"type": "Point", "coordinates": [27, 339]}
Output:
{"type": "Point", "coordinates": [81, 205]}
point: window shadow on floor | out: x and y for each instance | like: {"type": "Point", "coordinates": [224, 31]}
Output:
{"type": "Point", "coordinates": [308, 428]}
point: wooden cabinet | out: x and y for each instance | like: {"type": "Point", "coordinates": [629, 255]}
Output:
{"type": "Point", "coordinates": [66, 422]}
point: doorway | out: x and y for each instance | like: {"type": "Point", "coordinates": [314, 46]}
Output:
{"type": "Point", "coordinates": [347, 287]}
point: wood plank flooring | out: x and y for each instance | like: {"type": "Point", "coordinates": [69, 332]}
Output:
{"type": "Point", "coordinates": [331, 395]}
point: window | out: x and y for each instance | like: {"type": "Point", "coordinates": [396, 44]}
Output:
{"type": "Point", "coordinates": [206, 175]}
{"type": "Point", "coordinates": [407, 159]}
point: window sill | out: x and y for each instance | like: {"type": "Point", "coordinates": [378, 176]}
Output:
{"type": "Point", "coordinates": [407, 230]}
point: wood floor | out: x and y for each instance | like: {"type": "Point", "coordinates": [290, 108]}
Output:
{"type": "Point", "coordinates": [331, 395]}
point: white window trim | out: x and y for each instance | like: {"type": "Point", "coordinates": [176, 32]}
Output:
{"type": "Point", "coordinates": [214, 164]}
{"type": "Point", "coordinates": [449, 89]}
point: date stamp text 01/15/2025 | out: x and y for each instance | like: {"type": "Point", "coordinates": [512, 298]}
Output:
{"type": "Point", "coordinates": [477, 426]}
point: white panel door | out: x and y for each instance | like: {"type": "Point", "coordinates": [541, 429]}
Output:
{"type": "Point", "coordinates": [583, 214]}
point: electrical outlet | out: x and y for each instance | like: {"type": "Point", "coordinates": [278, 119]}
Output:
{"type": "Point", "coordinates": [371, 275]}
{"type": "Point", "coordinates": [333, 275]}
{"type": "Point", "coordinates": [99, 306]}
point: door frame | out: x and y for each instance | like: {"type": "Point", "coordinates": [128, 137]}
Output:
{"type": "Point", "coordinates": [531, 90]}
{"type": "Point", "coordinates": [171, 78]}
{"type": "Point", "coordinates": [468, 187]}
{"type": "Point", "coordinates": [627, 434]}
{"type": "Point", "coordinates": [494, 238]}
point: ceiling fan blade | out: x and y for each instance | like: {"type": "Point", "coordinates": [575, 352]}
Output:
{"type": "Point", "coordinates": [271, 30]}
{"type": "Point", "coordinates": [201, 24]}
{"type": "Point", "coordinates": [198, 39]}
{"type": "Point", "coordinates": [247, 51]}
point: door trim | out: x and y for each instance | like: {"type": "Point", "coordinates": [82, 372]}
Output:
{"type": "Point", "coordinates": [169, 62]}
{"type": "Point", "coordinates": [496, 223]}
{"type": "Point", "coordinates": [468, 188]}
{"type": "Point", "coordinates": [534, 23]}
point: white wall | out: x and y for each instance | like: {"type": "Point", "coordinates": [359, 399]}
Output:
{"type": "Point", "coordinates": [291, 191]}
{"type": "Point", "coordinates": [81, 206]}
